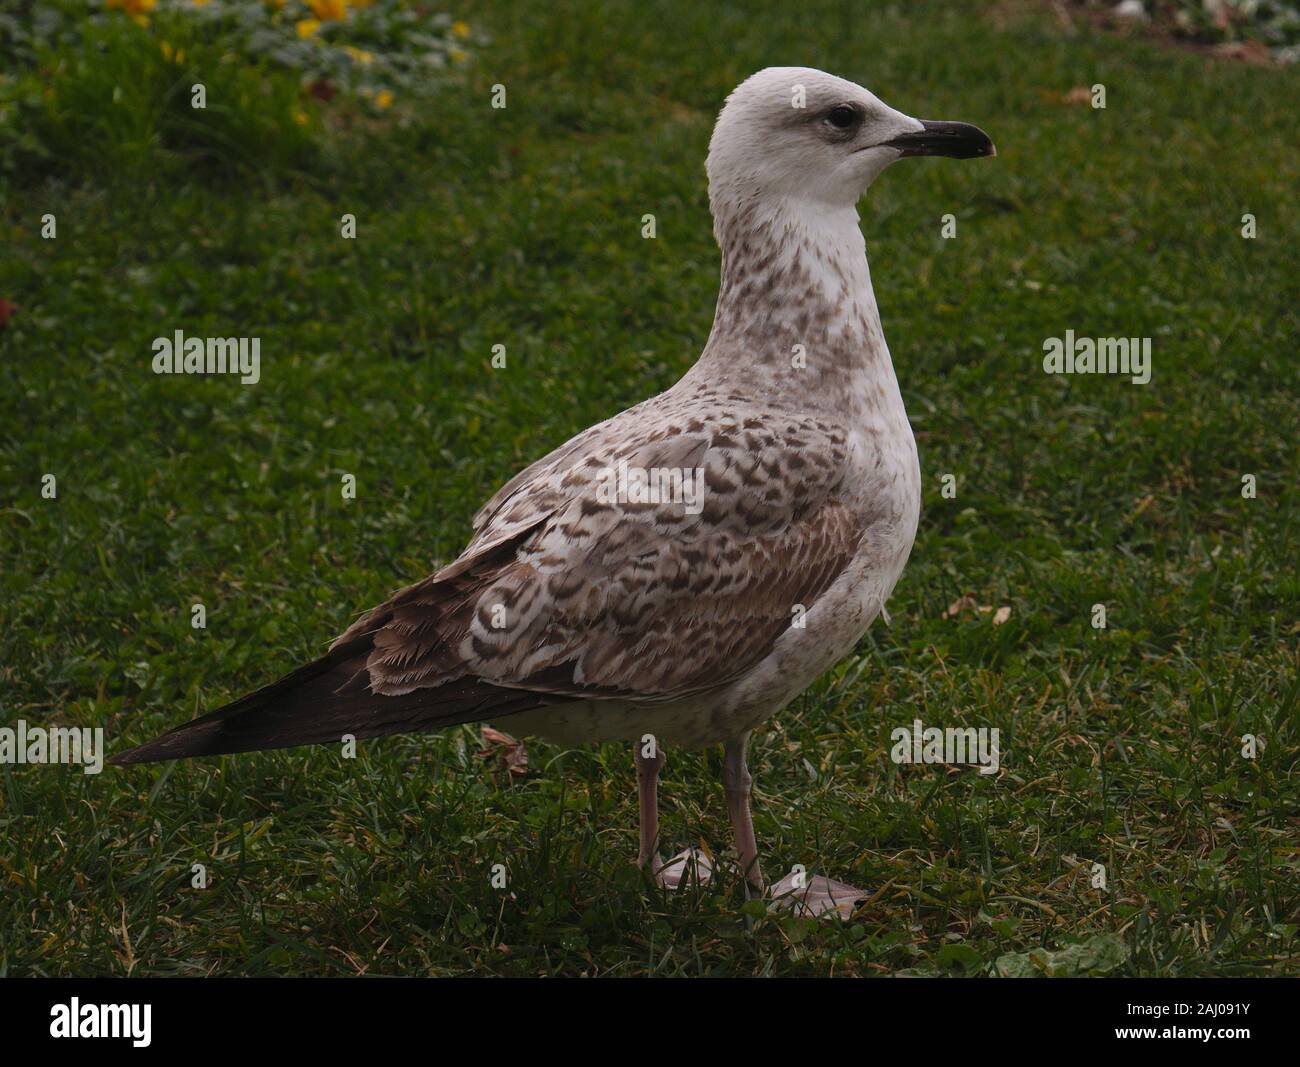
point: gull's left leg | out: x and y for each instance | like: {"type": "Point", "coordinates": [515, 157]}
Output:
{"type": "Point", "coordinates": [804, 895]}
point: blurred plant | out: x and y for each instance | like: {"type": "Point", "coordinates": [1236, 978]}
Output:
{"type": "Point", "coordinates": [113, 89]}
{"type": "Point", "coordinates": [119, 102]}
{"type": "Point", "coordinates": [1274, 23]}
{"type": "Point", "coordinates": [380, 50]}
{"type": "Point", "coordinates": [1260, 29]}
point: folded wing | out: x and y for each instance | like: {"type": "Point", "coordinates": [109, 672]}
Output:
{"type": "Point", "coordinates": [655, 556]}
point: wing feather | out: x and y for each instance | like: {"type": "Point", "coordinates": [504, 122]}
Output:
{"type": "Point", "coordinates": [566, 590]}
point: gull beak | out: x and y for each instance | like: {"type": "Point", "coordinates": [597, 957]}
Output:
{"type": "Point", "coordinates": [960, 140]}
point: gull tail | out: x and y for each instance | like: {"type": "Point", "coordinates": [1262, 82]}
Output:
{"type": "Point", "coordinates": [322, 701]}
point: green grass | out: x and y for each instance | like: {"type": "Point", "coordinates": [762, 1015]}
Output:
{"type": "Point", "coordinates": [522, 227]}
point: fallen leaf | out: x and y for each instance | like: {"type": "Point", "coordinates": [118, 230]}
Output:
{"type": "Point", "coordinates": [6, 312]}
{"type": "Point", "coordinates": [964, 603]}
{"type": "Point", "coordinates": [514, 754]}
{"type": "Point", "coordinates": [1001, 615]}
{"type": "Point", "coordinates": [1080, 94]}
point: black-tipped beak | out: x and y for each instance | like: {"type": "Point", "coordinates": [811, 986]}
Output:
{"type": "Point", "coordinates": [960, 140]}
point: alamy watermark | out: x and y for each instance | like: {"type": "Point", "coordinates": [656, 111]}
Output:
{"type": "Point", "coordinates": [652, 485]}
{"type": "Point", "coordinates": [974, 745]}
{"type": "Point", "coordinates": [179, 354]}
{"type": "Point", "coordinates": [21, 743]}
{"type": "Point", "coordinates": [76, 1019]}
{"type": "Point", "coordinates": [1098, 355]}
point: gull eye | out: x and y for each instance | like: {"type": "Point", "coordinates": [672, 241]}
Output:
{"type": "Point", "coordinates": [842, 117]}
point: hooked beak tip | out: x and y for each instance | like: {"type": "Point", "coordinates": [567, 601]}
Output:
{"type": "Point", "coordinates": [958, 140]}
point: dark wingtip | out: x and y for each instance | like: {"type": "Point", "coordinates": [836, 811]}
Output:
{"type": "Point", "coordinates": [131, 756]}
{"type": "Point", "coordinates": [199, 737]}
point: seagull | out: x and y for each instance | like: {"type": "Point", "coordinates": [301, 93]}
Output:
{"type": "Point", "coordinates": [675, 575]}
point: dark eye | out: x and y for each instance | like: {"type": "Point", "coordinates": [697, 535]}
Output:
{"type": "Point", "coordinates": [842, 117]}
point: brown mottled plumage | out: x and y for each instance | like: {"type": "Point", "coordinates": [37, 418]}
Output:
{"type": "Point", "coordinates": [585, 618]}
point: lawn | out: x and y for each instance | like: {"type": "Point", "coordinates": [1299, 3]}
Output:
{"type": "Point", "coordinates": [478, 226]}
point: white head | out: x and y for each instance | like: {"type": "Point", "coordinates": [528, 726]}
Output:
{"type": "Point", "coordinates": [799, 133]}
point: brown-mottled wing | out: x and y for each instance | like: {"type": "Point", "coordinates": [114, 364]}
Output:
{"type": "Point", "coordinates": [565, 591]}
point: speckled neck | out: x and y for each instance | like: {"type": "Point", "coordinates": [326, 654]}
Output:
{"type": "Point", "coordinates": [794, 273]}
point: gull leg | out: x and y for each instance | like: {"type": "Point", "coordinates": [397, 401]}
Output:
{"type": "Point", "coordinates": [686, 865]}
{"type": "Point", "coordinates": [737, 784]}
{"type": "Point", "coordinates": [647, 787]}
{"type": "Point", "coordinates": [797, 891]}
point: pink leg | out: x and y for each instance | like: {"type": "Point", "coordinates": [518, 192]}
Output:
{"type": "Point", "coordinates": [737, 783]}
{"type": "Point", "coordinates": [647, 785]}
{"type": "Point", "coordinates": [798, 892]}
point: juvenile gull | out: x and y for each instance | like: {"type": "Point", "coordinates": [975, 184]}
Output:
{"type": "Point", "coordinates": [585, 615]}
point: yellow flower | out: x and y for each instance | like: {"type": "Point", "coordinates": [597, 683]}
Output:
{"type": "Point", "coordinates": [384, 98]}
{"type": "Point", "coordinates": [199, 3]}
{"type": "Point", "coordinates": [359, 55]}
{"type": "Point", "coordinates": [306, 27]}
{"type": "Point", "coordinates": [301, 117]}
{"type": "Point", "coordinates": [329, 9]}
{"type": "Point", "coordinates": [458, 55]}
{"type": "Point", "coordinates": [460, 29]}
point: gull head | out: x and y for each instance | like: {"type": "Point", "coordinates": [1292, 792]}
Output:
{"type": "Point", "coordinates": [798, 134]}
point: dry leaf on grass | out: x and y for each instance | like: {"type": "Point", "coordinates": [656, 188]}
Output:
{"type": "Point", "coordinates": [514, 755]}
{"type": "Point", "coordinates": [1080, 94]}
{"type": "Point", "coordinates": [969, 603]}
{"type": "Point", "coordinates": [963, 603]}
